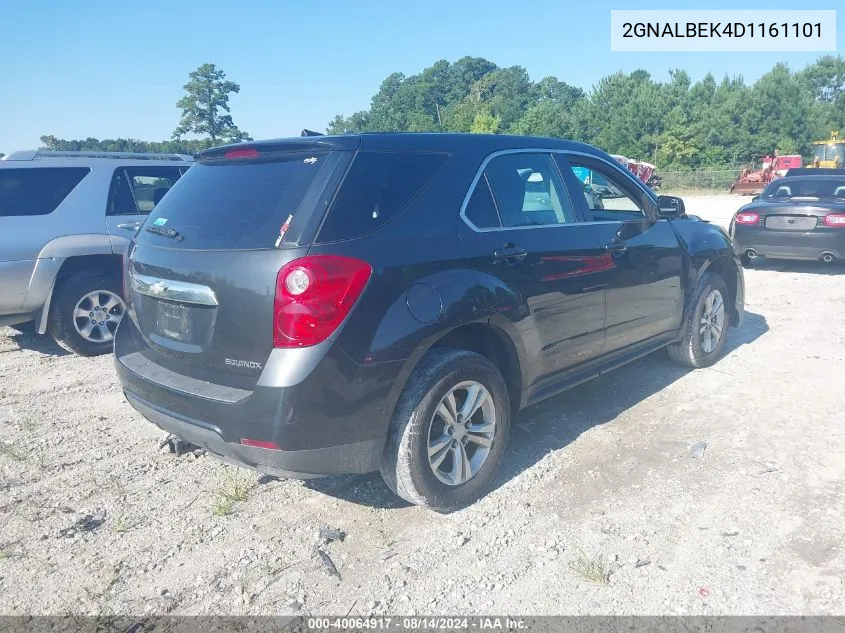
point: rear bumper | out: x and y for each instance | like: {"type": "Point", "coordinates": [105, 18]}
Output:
{"type": "Point", "coordinates": [331, 421]}
{"type": "Point", "coordinates": [357, 457]}
{"type": "Point", "coordinates": [789, 244]}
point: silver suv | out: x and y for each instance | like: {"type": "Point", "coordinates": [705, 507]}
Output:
{"type": "Point", "coordinates": [66, 219]}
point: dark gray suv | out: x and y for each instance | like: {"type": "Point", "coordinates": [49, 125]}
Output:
{"type": "Point", "coordinates": [327, 305]}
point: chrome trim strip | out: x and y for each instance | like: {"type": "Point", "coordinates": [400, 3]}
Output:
{"type": "Point", "coordinates": [172, 290]}
{"type": "Point", "coordinates": [540, 150]}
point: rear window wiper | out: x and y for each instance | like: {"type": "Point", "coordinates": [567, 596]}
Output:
{"type": "Point", "coordinates": [164, 232]}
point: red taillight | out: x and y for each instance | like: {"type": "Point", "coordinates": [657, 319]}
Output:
{"type": "Point", "coordinates": [248, 152]}
{"type": "Point", "coordinates": [260, 444]}
{"type": "Point", "coordinates": [748, 217]}
{"type": "Point", "coordinates": [314, 295]}
{"type": "Point", "coordinates": [835, 220]}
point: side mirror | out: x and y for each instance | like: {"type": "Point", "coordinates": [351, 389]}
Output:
{"type": "Point", "coordinates": [671, 207]}
{"type": "Point", "coordinates": [755, 198]}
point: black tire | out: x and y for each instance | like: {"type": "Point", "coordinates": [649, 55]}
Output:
{"type": "Point", "coordinates": [747, 262]}
{"type": "Point", "coordinates": [406, 468]}
{"type": "Point", "coordinates": [689, 351]}
{"type": "Point", "coordinates": [60, 323]}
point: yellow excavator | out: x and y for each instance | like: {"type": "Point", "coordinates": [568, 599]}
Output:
{"type": "Point", "coordinates": [829, 154]}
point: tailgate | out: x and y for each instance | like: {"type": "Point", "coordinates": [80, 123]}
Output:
{"type": "Point", "coordinates": [206, 314]}
{"type": "Point", "coordinates": [202, 271]}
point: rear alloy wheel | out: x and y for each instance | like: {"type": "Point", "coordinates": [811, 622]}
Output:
{"type": "Point", "coordinates": [85, 313]}
{"type": "Point", "coordinates": [449, 431]}
{"type": "Point", "coordinates": [705, 328]}
{"type": "Point", "coordinates": [461, 433]}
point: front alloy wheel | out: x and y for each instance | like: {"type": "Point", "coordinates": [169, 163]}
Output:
{"type": "Point", "coordinates": [712, 323]}
{"type": "Point", "coordinates": [704, 329]}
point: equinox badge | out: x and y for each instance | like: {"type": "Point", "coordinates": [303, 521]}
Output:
{"type": "Point", "coordinates": [250, 364]}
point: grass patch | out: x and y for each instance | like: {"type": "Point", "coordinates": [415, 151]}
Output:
{"type": "Point", "coordinates": [115, 484]}
{"type": "Point", "coordinates": [7, 552]}
{"type": "Point", "coordinates": [222, 506]}
{"type": "Point", "coordinates": [594, 570]}
{"type": "Point", "coordinates": [124, 523]}
{"type": "Point", "coordinates": [28, 425]}
{"type": "Point", "coordinates": [10, 452]}
{"type": "Point", "coordinates": [233, 488]}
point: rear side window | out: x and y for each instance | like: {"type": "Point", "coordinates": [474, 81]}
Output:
{"type": "Point", "coordinates": [233, 204]}
{"type": "Point", "coordinates": [137, 190]}
{"type": "Point", "coordinates": [37, 191]}
{"type": "Point", "coordinates": [528, 190]}
{"type": "Point", "coordinates": [481, 210]}
{"type": "Point", "coordinates": [378, 186]}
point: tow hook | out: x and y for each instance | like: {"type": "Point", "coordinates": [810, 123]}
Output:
{"type": "Point", "coordinates": [177, 445]}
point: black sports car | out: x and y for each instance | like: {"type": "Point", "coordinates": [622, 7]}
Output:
{"type": "Point", "coordinates": [796, 217]}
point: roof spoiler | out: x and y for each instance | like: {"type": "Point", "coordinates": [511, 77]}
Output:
{"type": "Point", "coordinates": [311, 133]}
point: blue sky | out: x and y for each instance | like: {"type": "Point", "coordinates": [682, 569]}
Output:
{"type": "Point", "coordinates": [116, 69]}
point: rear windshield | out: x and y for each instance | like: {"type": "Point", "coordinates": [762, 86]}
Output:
{"type": "Point", "coordinates": [232, 204]}
{"type": "Point", "coordinates": [814, 188]}
{"type": "Point", "coordinates": [37, 191]}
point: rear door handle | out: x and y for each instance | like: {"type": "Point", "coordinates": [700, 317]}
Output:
{"type": "Point", "coordinates": [616, 247]}
{"type": "Point", "coordinates": [129, 226]}
{"type": "Point", "coordinates": [510, 254]}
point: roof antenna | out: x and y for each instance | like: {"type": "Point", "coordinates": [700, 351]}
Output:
{"type": "Point", "coordinates": [311, 133]}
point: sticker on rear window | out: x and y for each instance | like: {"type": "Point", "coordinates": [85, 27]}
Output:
{"type": "Point", "coordinates": [310, 161]}
{"type": "Point", "coordinates": [284, 230]}
{"type": "Point", "coordinates": [160, 222]}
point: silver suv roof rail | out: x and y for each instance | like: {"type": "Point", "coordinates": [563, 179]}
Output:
{"type": "Point", "coordinates": [35, 154]}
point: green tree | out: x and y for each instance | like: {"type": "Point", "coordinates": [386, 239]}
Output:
{"type": "Point", "coordinates": [50, 142]}
{"type": "Point", "coordinates": [676, 124]}
{"type": "Point", "coordinates": [205, 107]}
{"type": "Point", "coordinates": [825, 79]}
{"type": "Point", "coordinates": [506, 93]}
{"type": "Point", "coordinates": [777, 111]}
{"type": "Point", "coordinates": [485, 123]}
{"type": "Point", "coordinates": [546, 118]}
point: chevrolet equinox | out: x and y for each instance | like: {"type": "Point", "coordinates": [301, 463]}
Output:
{"type": "Point", "coordinates": [343, 304]}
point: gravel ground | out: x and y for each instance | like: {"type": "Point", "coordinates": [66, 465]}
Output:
{"type": "Point", "coordinates": [600, 507]}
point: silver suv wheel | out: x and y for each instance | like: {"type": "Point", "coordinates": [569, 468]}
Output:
{"type": "Point", "coordinates": [97, 314]}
